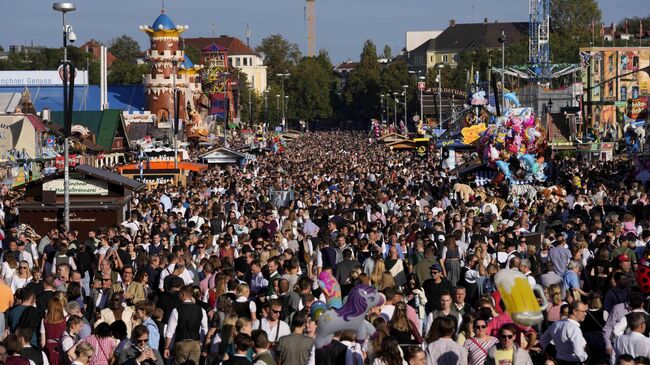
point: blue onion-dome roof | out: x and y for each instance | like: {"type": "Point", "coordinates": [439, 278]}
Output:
{"type": "Point", "coordinates": [187, 63]}
{"type": "Point", "coordinates": [163, 22]}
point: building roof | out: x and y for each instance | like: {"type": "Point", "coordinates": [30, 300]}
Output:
{"type": "Point", "coordinates": [233, 46]}
{"type": "Point", "coordinates": [213, 47]}
{"type": "Point", "coordinates": [103, 124]}
{"type": "Point", "coordinates": [111, 177]}
{"type": "Point", "coordinates": [8, 101]}
{"type": "Point", "coordinates": [429, 45]}
{"type": "Point", "coordinates": [345, 66]}
{"type": "Point", "coordinates": [187, 63]}
{"type": "Point", "coordinates": [93, 47]}
{"type": "Point", "coordinates": [163, 22]}
{"type": "Point", "coordinates": [460, 37]}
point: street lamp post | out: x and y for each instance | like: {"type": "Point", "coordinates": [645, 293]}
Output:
{"type": "Point", "coordinates": [277, 103]}
{"type": "Point", "coordinates": [406, 120]}
{"type": "Point", "coordinates": [440, 66]}
{"type": "Point", "coordinates": [284, 110]}
{"type": "Point", "coordinates": [67, 30]}
{"type": "Point", "coordinates": [421, 79]}
{"type": "Point", "coordinates": [250, 108]}
{"type": "Point", "coordinates": [266, 106]}
{"type": "Point", "coordinates": [175, 120]}
{"type": "Point", "coordinates": [283, 98]}
{"type": "Point", "coordinates": [503, 39]}
{"type": "Point", "coordinates": [395, 121]}
{"type": "Point", "coordinates": [382, 107]}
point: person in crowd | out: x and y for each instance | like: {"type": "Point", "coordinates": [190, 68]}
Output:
{"type": "Point", "coordinates": [295, 349]}
{"type": "Point", "coordinates": [188, 324]}
{"type": "Point", "coordinates": [480, 344]}
{"type": "Point", "coordinates": [506, 351]}
{"type": "Point", "coordinates": [445, 350]}
{"type": "Point", "coordinates": [253, 247]}
{"type": "Point", "coordinates": [137, 352]}
{"type": "Point", "coordinates": [565, 335]}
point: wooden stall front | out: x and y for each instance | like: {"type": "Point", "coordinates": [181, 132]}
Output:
{"type": "Point", "coordinates": [98, 199]}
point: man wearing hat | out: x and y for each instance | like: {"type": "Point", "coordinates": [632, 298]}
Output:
{"type": "Point", "coordinates": [627, 247]}
{"type": "Point", "coordinates": [434, 287]}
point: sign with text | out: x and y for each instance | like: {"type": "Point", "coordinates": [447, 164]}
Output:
{"type": "Point", "coordinates": [155, 179]}
{"type": "Point", "coordinates": [78, 187]}
{"type": "Point", "coordinates": [39, 78]}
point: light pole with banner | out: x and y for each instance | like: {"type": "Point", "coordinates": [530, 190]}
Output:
{"type": "Point", "coordinates": [68, 72]}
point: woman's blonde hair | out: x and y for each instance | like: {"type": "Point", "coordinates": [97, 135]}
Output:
{"type": "Point", "coordinates": [242, 290]}
{"type": "Point", "coordinates": [387, 281]}
{"type": "Point", "coordinates": [555, 294]}
{"type": "Point", "coordinates": [400, 321]}
{"type": "Point", "coordinates": [377, 272]}
{"type": "Point", "coordinates": [85, 349]}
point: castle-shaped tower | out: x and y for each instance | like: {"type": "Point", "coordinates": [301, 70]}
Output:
{"type": "Point", "coordinates": [167, 59]}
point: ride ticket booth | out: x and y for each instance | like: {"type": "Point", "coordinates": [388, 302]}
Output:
{"type": "Point", "coordinates": [98, 199]}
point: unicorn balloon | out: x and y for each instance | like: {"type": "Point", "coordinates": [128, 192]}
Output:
{"type": "Point", "coordinates": [351, 316]}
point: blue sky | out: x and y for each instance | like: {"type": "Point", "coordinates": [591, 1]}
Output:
{"type": "Point", "coordinates": [342, 25]}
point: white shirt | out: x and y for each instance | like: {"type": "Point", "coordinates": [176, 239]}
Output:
{"type": "Point", "coordinates": [621, 325]}
{"type": "Point", "coordinates": [27, 256]}
{"type": "Point", "coordinates": [634, 343]}
{"type": "Point", "coordinates": [173, 322]}
{"type": "Point", "coordinates": [166, 202]}
{"type": "Point", "coordinates": [279, 330]}
{"type": "Point", "coordinates": [568, 340]}
{"type": "Point", "coordinates": [186, 275]}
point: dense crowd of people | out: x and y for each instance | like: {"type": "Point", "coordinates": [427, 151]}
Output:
{"type": "Point", "coordinates": [226, 270]}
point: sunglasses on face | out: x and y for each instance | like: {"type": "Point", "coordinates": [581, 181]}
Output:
{"type": "Point", "coordinates": [507, 337]}
{"type": "Point", "coordinates": [480, 326]}
{"type": "Point", "coordinates": [435, 272]}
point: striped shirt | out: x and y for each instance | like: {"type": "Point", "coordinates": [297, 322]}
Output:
{"type": "Point", "coordinates": [478, 350]}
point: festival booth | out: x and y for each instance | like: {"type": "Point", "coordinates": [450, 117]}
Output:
{"type": "Point", "coordinates": [290, 135]}
{"type": "Point", "coordinates": [226, 156]}
{"type": "Point", "coordinates": [596, 151]}
{"type": "Point", "coordinates": [156, 166]}
{"type": "Point", "coordinates": [21, 148]}
{"type": "Point", "coordinates": [98, 198]}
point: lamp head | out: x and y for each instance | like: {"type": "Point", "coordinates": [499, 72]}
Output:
{"type": "Point", "coordinates": [64, 7]}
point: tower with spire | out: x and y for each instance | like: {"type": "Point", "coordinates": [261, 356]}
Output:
{"type": "Point", "coordinates": [170, 69]}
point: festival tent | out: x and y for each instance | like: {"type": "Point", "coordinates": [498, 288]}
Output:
{"type": "Point", "coordinates": [19, 133]}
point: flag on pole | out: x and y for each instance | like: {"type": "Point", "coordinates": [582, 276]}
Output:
{"type": "Point", "coordinates": [626, 32]}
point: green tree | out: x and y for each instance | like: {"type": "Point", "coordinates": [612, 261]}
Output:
{"type": "Point", "coordinates": [571, 22]}
{"type": "Point", "coordinates": [194, 54]}
{"type": "Point", "coordinates": [363, 87]}
{"type": "Point", "coordinates": [125, 48]}
{"type": "Point", "coordinates": [388, 53]}
{"type": "Point", "coordinates": [279, 54]}
{"type": "Point", "coordinates": [310, 89]}
{"type": "Point", "coordinates": [126, 73]}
